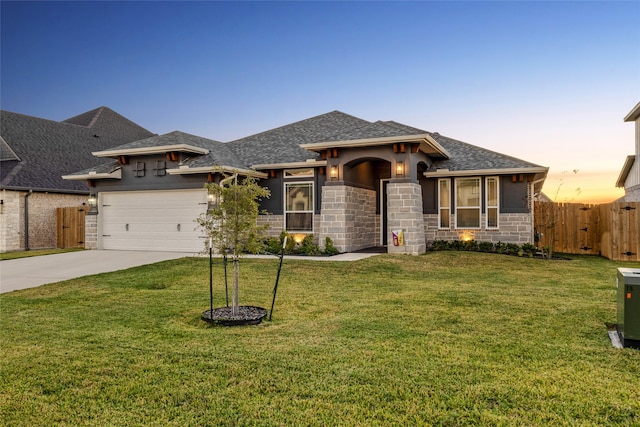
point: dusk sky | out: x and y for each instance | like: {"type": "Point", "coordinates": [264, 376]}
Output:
{"type": "Point", "coordinates": [547, 82]}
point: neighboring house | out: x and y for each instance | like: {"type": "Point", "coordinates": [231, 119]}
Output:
{"type": "Point", "coordinates": [34, 154]}
{"type": "Point", "coordinates": [629, 178]}
{"type": "Point", "coordinates": [333, 175]}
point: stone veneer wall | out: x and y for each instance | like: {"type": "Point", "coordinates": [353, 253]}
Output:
{"type": "Point", "coordinates": [632, 194]}
{"type": "Point", "coordinates": [514, 228]}
{"type": "Point", "coordinates": [275, 222]}
{"type": "Point", "coordinates": [91, 232]}
{"type": "Point", "coordinates": [42, 218]}
{"type": "Point", "coordinates": [348, 217]}
{"type": "Point", "coordinates": [404, 212]}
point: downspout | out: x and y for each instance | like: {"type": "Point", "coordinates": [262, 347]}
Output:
{"type": "Point", "coordinates": [26, 220]}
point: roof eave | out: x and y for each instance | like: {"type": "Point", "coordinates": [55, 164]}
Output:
{"type": "Point", "coordinates": [306, 164]}
{"type": "Point", "coordinates": [473, 172]}
{"type": "Point", "coordinates": [624, 173]}
{"type": "Point", "coordinates": [427, 144]}
{"type": "Point", "coordinates": [143, 151]}
{"type": "Point", "coordinates": [42, 189]}
{"type": "Point", "coordinates": [186, 170]}
{"type": "Point", "coordinates": [116, 174]}
{"type": "Point", "coordinates": [633, 114]}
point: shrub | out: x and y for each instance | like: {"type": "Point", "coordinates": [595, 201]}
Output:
{"type": "Point", "coordinates": [471, 245]}
{"type": "Point", "coordinates": [486, 247]}
{"type": "Point", "coordinates": [307, 247]}
{"type": "Point", "coordinates": [440, 245]}
{"type": "Point", "coordinates": [329, 249]}
{"type": "Point", "coordinates": [456, 245]}
{"type": "Point", "coordinates": [529, 250]}
{"type": "Point", "coordinates": [500, 247]}
{"type": "Point", "coordinates": [512, 249]}
{"type": "Point", "coordinates": [273, 245]}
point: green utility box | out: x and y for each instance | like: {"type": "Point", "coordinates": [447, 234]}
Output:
{"type": "Point", "coordinates": [628, 284]}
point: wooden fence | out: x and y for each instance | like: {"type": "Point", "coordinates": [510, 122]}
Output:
{"type": "Point", "coordinates": [611, 230]}
{"type": "Point", "coordinates": [70, 228]}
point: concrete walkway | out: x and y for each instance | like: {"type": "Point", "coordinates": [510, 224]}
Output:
{"type": "Point", "coordinates": [23, 273]}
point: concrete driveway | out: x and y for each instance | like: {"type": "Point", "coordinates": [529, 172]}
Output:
{"type": "Point", "coordinates": [23, 273]}
{"type": "Point", "coordinates": [30, 272]}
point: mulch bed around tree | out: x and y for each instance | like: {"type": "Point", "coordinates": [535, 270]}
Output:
{"type": "Point", "coordinates": [247, 315]}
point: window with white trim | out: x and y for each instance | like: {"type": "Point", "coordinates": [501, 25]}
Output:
{"type": "Point", "coordinates": [298, 207]}
{"type": "Point", "coordinates": [444, 203]}
{"type": "Point", "coordinates": [492, 201]}
{"type": "Point", "coordinates": [467, 202]}
{"type": "Point", "coordinates": [298, 173]}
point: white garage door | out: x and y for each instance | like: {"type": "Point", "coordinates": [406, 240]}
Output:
{"type": "Point", "coordinates": [152, 220]}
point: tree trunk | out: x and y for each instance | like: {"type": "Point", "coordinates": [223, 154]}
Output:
{"type": "Point", "coordinates": [235, 291]}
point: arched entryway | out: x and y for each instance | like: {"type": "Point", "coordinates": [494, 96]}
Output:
{"type": "Point", "coordinates": [353, 210]}
{"type": "Point", "coordinates": [370, 192]}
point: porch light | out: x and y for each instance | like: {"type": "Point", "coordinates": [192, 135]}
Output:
{"type": "Point", "coordinates": [212, 201]}
{"type": "Point", "coordinates": [333, 172]}
{"type": "Point", "coordinates": [92, 201]}
{"type": "Point", "coordinates": [400, 168]}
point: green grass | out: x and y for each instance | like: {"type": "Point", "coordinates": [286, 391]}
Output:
{"type": "Point", "coordinates": [448, 338]}
{"type": "Point", "coordinates": [33, 252]}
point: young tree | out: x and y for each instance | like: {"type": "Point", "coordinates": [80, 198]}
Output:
{"type": "Point", "coordinates": [231, 221]}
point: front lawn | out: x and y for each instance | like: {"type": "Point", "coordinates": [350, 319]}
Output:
{"type": "Point", "coordinates": [447, 338]}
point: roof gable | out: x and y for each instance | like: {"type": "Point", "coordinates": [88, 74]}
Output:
{"type": "Point", "coordinates": [48, 149]}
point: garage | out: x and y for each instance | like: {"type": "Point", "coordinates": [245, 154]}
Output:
{"type": "Point", "coordinates": [152, 220]}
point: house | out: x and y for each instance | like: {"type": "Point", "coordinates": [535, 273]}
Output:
{"type": "Point", "coordinates": [34, 154]}
{"type": "Point", "coordinates": [629, 177]}
{"type": "Point", "coordinates": [361, 183]}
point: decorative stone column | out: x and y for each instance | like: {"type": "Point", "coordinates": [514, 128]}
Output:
{"type": "Point", "coordinates": [348, 217]}
{"type": "Point", "coordinates": [404, 212]}
{"type": "Point", "coordinates": [91, 232]}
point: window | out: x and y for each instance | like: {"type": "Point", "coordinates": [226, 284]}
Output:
{"type": "Point", "coordinates": [161, 168]}
{"type": "Point", "coordinates": [444, 203]}
{"type": "Point", "coordinates": [298, 173]}
{"type": "Point", "coordinates": [139, 170]}
{"type": "Point", "coordinates": [468, 203]}
{"type": "Point", "coordinates": [299, 207]}
{"type": "Point", "coordinates": [492, 202]}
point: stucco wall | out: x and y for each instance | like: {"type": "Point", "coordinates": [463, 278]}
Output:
{"type": "Point", "coordinates": [42, 218]}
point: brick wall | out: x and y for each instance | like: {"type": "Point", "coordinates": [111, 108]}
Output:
{"type": "Point", "coordinates": [42, 218]}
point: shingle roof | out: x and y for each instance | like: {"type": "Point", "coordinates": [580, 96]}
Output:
{"type": "Point", "coordinates": [220, 153]}
{"type": "Point", "coordinates": [282, 145]}
{"type": "Point", "coordinates": [48, 149]}
{"type": "Point", "coordinates": [6, 153]}
{"type": "Point", "coordinates": [465, 156]}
